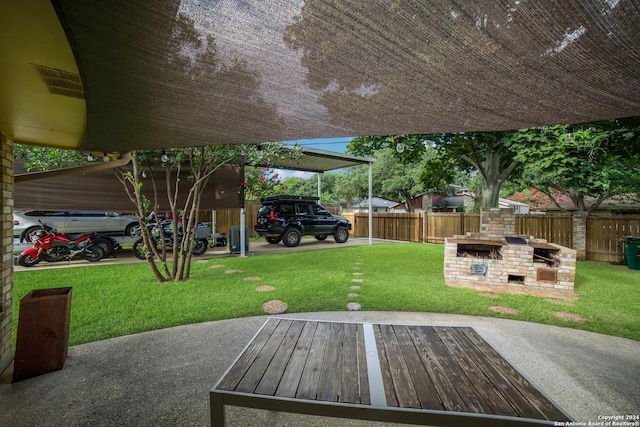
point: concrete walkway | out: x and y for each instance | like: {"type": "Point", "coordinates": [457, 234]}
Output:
{"type": "Point", "coordinates": [162, 378]}
{"type": "Point", "coordinates": [256, 247]}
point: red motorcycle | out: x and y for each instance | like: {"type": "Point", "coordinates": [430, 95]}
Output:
{"type": "Point", "coordinates": [49, 245]}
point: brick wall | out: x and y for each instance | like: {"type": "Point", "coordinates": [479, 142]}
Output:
{"type": "Point", "coordinates": [497, 223]}
{"type": "Point", "coordinates": [6, 231]}
{"type": "Point", "coordinates": [580, 235]}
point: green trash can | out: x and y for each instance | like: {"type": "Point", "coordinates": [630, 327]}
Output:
{"type": "Point", "coordinates": [631, 244]}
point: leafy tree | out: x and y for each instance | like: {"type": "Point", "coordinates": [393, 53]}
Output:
{"type": "Point", "coordinates": [298, 186]}
{"type": "Point", "coordinates": [354, 184]}
{"type": "Point", "coordinates": [44, 158]}
{"type": "Point", "coordinates": [602, 160]}
{"type": "Point", "coordinates": [261, 182]}
{"type": "Point", "coordinates": [401, 176]}
{"type": "Point", "coordinates": [195, 164]}
{"type": "Point", "coordinates": [406, 149]}
{"type": "Point", "coordinates": [484, 152]}
{"type": "Point", "coordinates": [398, 181]}
{"type": "Point", "coordinates": [445, 155]}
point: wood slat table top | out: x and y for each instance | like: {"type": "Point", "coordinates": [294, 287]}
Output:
{"type": "Point", "coordinates": [451, 369]}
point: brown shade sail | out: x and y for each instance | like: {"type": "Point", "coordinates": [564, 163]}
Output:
{"type": "Point", "coordinates": [168, 73]}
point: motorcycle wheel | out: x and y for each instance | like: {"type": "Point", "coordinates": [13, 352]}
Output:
{"type": "Point", "coordinates": [56, 254]}
{"type": "Point", "coordinates": [93, 253]}
{"type": "Point", "coordinates": [106, 244]}
{"type": "Point", "coordinates": [139, 249]}
{"type": "Point", "coordinates": [27, 261]}
{"type": "Point", "coordinates": [200, 246]}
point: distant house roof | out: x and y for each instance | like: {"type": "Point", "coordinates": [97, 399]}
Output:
{"type": "Point", "coordinates": [457, 201]}
{"type": "Point", "coordinates": [376, 202]}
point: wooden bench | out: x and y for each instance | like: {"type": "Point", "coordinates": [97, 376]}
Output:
{"type": "Point", "coordinates": [393, 373]}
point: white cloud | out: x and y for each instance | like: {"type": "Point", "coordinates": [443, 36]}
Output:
{"type": "Point", "coordinates": [284, 174]}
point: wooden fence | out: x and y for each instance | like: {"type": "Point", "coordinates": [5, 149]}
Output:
{"type": "Point", "coordinates": [553, 228]}
{"type": "Point", "coordinates": [604, 240]}
{"type": "Point", "coordinates": [605, 236]}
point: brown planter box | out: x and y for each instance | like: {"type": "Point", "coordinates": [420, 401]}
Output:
{"type": "Point", "coordinates": [43, 332]}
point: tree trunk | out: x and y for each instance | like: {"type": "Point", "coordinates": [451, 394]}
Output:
{"type": "Point", "coordinates": [410, 203]}
{"type": "Point", "coordinates": [491, 181]}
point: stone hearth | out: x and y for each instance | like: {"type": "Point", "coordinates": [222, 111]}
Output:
{"type": "Point", "coordinates": [497, 257]}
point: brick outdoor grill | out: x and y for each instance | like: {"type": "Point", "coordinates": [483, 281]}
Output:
{"type": "Point", "coordinates": [496, 256]}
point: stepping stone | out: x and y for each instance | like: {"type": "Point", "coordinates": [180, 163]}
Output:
{"type": "Point", "coordinates": [252, 278]}
{"type": "Point", "coordinates": [274, 306]}
{"type": "Point", "coordinates": [232, 271]}
{"type": "Point", "coordinates": [264, 288]}
{"type": "Point", "coordinates": [354, 287]}
{"type": "Point", "coordinates": [561, 301]}
{"type": "Point", "coordinates": [489, 294]}
{"type": "Point", "coordinates": [353, 306]}
{"type": "Point", "coordinates": [353, 295]}
{"type": "Point", "coordinates": [357, 273]}
{"type": "Point", "coordinates": [357, 280]}
{"type": "Point", "coordinates": [217, 266]}
{"type": "Point", "coordinates": [504, 310]}
{"type": "Point", "coordinates": [570, 317]}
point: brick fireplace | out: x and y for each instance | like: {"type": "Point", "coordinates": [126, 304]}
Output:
{"type": "Point", "coordinates": [497, 256]}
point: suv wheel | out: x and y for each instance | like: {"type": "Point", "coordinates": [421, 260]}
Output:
{"type": "Point", "coordinates": [291, 237]}
{"type": "Point", "coordinates": [273, 240]}
{"type": "Point", "coordinates": [342, 235]}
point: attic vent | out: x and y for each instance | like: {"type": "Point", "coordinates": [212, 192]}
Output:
{"type": "Point", "coordinates": [61, 82]}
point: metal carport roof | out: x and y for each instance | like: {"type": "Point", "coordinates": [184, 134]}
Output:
{"type": "Point", "coordinates": [319, 161]}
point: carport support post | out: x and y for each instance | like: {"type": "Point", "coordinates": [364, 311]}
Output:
{"type": "Point", "coordinates": [319, 188]}
{"type": "Point", "coordinates": [370, 203]}
{"type": "Point", "coordinates": [243, 237]}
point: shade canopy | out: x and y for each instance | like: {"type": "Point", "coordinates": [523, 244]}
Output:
{"type": "Point", "coordinates": [121, 74]}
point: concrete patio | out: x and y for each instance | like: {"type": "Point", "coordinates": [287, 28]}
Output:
{"type": "Point", "coordinates": [163, 378]}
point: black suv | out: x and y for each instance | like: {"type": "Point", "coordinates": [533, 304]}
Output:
{"type": "Point", "coordinates": [288, 218]}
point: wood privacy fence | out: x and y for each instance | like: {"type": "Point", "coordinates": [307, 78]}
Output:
{"type": "Point", "coordinates": [604, 234]}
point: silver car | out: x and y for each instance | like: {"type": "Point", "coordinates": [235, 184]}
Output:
{"type": "Point", "coordinates": [74, 222]}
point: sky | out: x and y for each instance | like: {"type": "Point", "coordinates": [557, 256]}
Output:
{"type": "Point", "coordinates": [337, 145]}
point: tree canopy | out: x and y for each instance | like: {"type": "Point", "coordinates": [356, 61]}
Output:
{"type": "Point", "coordinates": [599, 160]}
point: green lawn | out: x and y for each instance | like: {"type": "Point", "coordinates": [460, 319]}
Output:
{"type": "Point", "coordinates": [115, 300]}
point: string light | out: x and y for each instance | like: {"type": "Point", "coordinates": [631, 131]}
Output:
{"type": "Point", "coordinates": [569, 137]}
